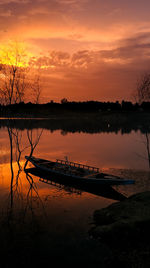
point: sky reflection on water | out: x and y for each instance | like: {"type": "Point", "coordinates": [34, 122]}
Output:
{"type": "Point", "coordinates": [103, 150]}
{"type": "Point", "coordinates": [54, 218]}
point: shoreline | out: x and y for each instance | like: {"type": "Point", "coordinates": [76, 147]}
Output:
{"type": "Point", "coordinates": [123, 227]}
{"type": "Point", "coordinates": [82, 122]}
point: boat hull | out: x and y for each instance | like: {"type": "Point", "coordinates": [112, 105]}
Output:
{"type": "Point", "coordinates": [106, 179]}
{"type": "Point", "coordinates": [72, 186]}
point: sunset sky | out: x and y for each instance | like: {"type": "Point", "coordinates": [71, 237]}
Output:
{"type": "Point", "coordinates": [88, 49]}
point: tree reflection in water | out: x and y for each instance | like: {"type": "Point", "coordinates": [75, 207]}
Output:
{"type": "Point", "coordinates": [148, 148]}
{"type": "Point", "coordinates": [19, 220]}
{"type": "Point", "coordinates": [145, 138]}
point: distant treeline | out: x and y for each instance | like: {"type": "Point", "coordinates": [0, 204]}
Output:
{"type": "Point", "coordinates": [93, 123]}
{"type": "Point", "coordinates": [46, 109]}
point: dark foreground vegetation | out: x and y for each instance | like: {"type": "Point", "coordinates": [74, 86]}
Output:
{"type": "Point", "coordinates": [124, 228]}
{"type": "Point", "coordinates": [65, 107]}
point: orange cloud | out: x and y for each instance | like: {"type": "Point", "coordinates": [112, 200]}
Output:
{"type": "Point", "coordinates": [80, 43]}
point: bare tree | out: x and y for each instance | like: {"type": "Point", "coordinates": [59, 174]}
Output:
{"type": "Point", "coordinates": [36, 83]}
{"type": "Point", "coordinates": [142, 92]}
{"type": "Point", "coordinates": [33, 143]}
{"type": "Point", "coordinates": [36, 88]}
{"type": "Point", "coordinates": [20, 79]}
{"type": "Point", "coordinates": [13, 74]}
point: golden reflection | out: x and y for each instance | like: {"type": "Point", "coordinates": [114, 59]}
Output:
{"type": "Point", "coordinates": [6, 174]}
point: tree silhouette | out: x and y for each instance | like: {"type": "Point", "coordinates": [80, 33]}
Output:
{"type": "Point", "coordinates": [16, 77]}
{"type": "Point", "coordinates": [142, 92]}
{"type": "Point", "coordinates": [13, 73]}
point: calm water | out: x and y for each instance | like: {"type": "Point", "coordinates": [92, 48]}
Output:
{"type": "Point", "coordinates": [51, 221]}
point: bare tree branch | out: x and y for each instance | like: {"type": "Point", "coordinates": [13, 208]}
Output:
{"type": "Point", "coordinates": [142, 92]}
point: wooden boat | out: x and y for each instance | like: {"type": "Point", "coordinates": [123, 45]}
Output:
{"type": "Point", "coordinates": [70, 186]}
{"type": "Point", "coordinates": [78, 173]}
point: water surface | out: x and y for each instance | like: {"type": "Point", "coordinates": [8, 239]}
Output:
{"type": "Point", "coordinates": [48, 220]}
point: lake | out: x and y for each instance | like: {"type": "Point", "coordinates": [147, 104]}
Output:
{"type": "Point", "coordinates": [47, 222]}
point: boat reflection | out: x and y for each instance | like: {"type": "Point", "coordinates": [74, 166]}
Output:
{"type": "Point", "coordinates": [102, 190]}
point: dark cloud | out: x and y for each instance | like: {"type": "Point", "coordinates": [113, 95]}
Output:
{"type": "Point", "coordinates": [5, 2]}
{"type": "Point", "coordinates": [54, 59]}
{"type": "Point", "coordinates": [82, 58]}
{"type": "Point", "coordinates": [131, 51]}
{"type": "Point", "coordinates": [134, 49]}
{"type": "Point", "coordinates": [104, 74]}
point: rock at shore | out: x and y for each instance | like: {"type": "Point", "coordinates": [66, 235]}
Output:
{"type": "Point", "coordinates": [125, 227]}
